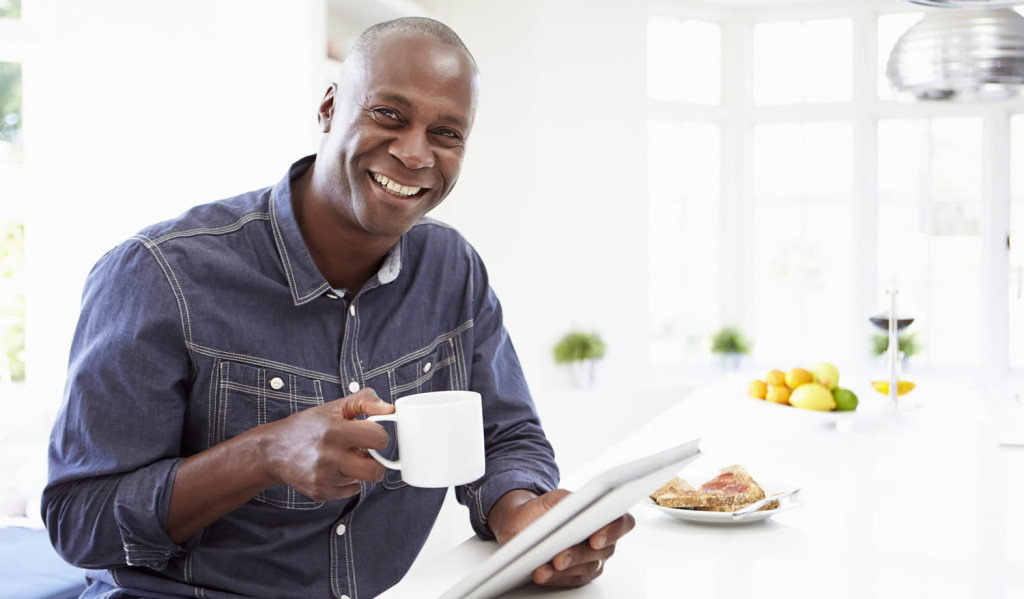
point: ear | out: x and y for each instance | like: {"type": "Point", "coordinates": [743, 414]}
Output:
{"type": "Point", "coordinates": [326, 110]}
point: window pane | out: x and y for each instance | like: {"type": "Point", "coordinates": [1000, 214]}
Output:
{"type": "Point", "coordinates": [803, 235]}
{"type": "Point", "coordinates": [683, 179]}
{"type": "Point", "coordinates": [828, 60]}
{"type": "Point", "coordinates": [777, 59]}
{"type": "Point", "coordinates": [929, 231]}
{"type": "Point", "coordinates": [1016, 274]}
{"type": "Point", "coordinates": [890, 28]}
{"type": "Point", "coordinates": [10, 112]}
{"type": "Point", "coordinates": [809, 61]}
{"type": "Point", "coordinates": [684, 60]}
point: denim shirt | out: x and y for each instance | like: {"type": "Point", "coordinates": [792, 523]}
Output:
{"type": "Point", "coordinates": [200, 328]}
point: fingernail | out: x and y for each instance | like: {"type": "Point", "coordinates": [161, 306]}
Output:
{"type": "Point", "coordinates": [566, 562]}
{"type": "Point", "coordinates": [599, 541]}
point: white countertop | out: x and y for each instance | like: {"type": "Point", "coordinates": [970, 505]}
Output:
{"type": "Point", "coordinates": [921, 501]}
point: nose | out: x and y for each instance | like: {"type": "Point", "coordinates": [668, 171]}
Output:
{"type": "Point", "coordinates": [413, 150]}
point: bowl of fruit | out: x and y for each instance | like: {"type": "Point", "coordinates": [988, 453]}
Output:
{"type": "Point", "coordinates": [814, 388]}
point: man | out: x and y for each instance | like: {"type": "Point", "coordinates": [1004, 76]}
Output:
{"type": "Point", "coordinates": [200, 450]}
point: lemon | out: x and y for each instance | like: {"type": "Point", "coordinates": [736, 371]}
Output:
{"type": "Point", "coordinates": [775, 377]}
{"type": "Point", "coordinates": [846, 400]}
{"type": "Point", "coordinates": [902, 387]}
{"type": "Point", "coordinates": [826, 374]}
{"type": "Point", "coordinates": [813, 396]}
{"type": "Point", "coordinates": [757, 389]}
{"type": "Point", "coordinates": [797, 377]}
{"type": "Point", "coordinates": [778, 394]}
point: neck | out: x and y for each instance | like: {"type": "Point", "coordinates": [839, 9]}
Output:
{"type": "Point", "coordinates": [346, 258]}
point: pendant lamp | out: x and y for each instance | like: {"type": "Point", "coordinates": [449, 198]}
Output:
{"type": "Point", "coordinates": [966, 55]}
{"type": "Point", "coordinates": [967, 3]}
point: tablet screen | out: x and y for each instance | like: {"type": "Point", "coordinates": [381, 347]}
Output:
{"type": "Point", "coordinates": [603, 499]}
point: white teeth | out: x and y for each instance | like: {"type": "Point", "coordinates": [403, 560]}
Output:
{"type": "Point", "coordinates": [402, 191]}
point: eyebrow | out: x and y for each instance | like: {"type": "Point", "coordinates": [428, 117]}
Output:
{"type": "Point", "coordinates": [405, 103]}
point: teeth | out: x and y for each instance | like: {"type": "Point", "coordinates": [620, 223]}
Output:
{"type": "Point", "coordinates": [402, 191]}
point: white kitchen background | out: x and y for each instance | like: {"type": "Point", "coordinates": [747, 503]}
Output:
{"type": "Point", "coordinates": [650, 171]}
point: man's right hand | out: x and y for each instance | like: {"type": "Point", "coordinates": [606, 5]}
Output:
{"type": "Point", "coordinates": [321, 452]}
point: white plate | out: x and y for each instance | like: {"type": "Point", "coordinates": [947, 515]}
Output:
{"type": "Point", "coordinates": [786, 503]}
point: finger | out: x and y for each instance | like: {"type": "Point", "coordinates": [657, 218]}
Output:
{"type": "Point", "coordinates": [575, 576]}
{"type": "Point", "coordinates": [361, 466]}
{"type": "Point", "coordinates": [356, 434]}
{"type": "Point", "coordinates": [580, 554]}
{"type": "Point", "coordinates": [364, 401]}
{"type": "Point", "coordinates": [613, 531]}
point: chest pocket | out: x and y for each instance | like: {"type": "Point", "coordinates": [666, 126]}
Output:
{"type": "Point", "coordinates": [245, 396]}
{"type": "Point", "coordinates": [441, 367]}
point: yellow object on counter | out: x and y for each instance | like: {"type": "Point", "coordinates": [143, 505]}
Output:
{"type": "Point", "coordinates": [902, 387]}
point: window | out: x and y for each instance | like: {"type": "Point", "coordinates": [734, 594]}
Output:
{"type": "Point", "coordinates": [684, 60]}
{"type": "Point", "coordinates": [930, 182]}
{"type": "Point", "coordinates": [12, 229]}
{"type": "Point", "coordinates": [802, 240]}
{"type": "Point", "coordinates": [683, 182]}
{"type": "Point", "coordinates": [1016, 274]}
{"type": "Point", "coordinates": [890, 28]}
{"type": "Point", "coordinates": [803, 62]}
{"type": "Point", "coordinates": [684, 197]}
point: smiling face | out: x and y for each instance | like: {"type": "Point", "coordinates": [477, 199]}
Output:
{"type": "Point", "coordinates": [395, 129]}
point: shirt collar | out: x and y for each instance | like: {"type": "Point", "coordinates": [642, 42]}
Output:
{"type": "Point", "coordinates": [304, 279]}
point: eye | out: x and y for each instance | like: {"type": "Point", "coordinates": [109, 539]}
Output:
{"type": "Point", "coordinates": [385, 115]}
{"type": "Point", "coordinates": [450, 136]}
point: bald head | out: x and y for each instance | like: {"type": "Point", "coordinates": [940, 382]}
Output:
{"type": "Point", "coordinates": [366, 43]}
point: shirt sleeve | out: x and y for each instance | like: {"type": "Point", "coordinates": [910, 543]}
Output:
{"type": "Point", "coordinates": [116, 442]}
{"type": "Point", "coordinates": [519, 455]}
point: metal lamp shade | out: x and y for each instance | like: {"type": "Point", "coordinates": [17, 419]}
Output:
{"type": "Point", "coordinates": [967, 3]}
{"type": "Point", "coordinates": [961, 55]}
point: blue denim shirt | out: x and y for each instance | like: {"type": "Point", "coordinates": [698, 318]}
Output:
{"type": "Point", "coordinates": [202, 327]}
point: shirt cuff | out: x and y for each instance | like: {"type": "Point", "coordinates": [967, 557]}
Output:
{"type": "Point", "coordinates": [480, 499]}
{"type": "Point", "coordinates": [140, 508]}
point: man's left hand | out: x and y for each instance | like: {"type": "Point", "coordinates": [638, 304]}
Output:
{"type": "Point", "coordinates": [572, 567]}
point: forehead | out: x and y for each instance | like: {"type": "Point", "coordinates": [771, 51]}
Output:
{"type": "Point", "coordinates": [424, 70]}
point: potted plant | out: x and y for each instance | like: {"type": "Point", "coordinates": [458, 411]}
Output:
{"type": "Point", "coordinates": [580, 351]}
{"type": "Point", "coordinates": [906, 343]}
{"type": "Point", "coordinates": [730, 343]}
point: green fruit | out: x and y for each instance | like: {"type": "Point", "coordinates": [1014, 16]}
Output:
{"type": "Point", "coordinates": [846, 400]}
{"type": "Point", "coordinates": [825, 374]}
{"type": "Point", "coordinates": [812, 396]}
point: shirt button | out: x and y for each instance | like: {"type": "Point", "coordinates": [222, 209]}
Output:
{"type": "Point", "coordinates": [353, 386]}
{"type": "Point", "coordinates": [276, 383]}
{"type": "Point", "coordinates": [426, 368]}
{"type": "Point", "coordinates": [345, 597]}
{"type": "Point", "coordinates": [340, 530]}
{"type": "Point", "coordinates": [352, 309]}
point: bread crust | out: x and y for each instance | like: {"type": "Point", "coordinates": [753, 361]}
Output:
{"type": "Point", "coordinates": [732, 489]}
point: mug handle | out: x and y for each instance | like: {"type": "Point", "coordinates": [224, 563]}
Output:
{"type": "Point", "coordinates": [393, 464]}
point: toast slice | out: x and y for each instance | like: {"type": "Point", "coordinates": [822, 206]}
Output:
{"type": "Point", "coordinates": [730, 490]}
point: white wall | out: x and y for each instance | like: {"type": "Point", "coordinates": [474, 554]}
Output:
{"type": "Point", "coordinates": [553, 190]}
{"type": "Point", "coordinates": [141, 109]}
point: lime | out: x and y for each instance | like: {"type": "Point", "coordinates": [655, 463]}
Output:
{"type": "Point", "coordinates": [846, 400]}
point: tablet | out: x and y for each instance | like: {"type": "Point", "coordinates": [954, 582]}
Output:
{"type": "Point", "coordinates": [572, 520]}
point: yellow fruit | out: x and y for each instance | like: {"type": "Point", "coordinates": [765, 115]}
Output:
{"type": "Point", "coordinates": [826, 374]}
{"type": "Point", "coordinates": [797, 377]}
{"type": "Point", "coordinates": [778, 394]}
{"type": "Point", "coordinates": [775, 377]}
{"type": "Point", "coordinates": [902, 387]}
{"type": "Point", "coordinates": [812, 396]}
{"type": "Point", "coordinates": [758, 389]}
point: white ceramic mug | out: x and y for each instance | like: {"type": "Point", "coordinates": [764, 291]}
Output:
{"type": "Point", "coordinates": [440, 438]}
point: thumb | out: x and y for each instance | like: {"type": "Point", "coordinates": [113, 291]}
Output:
{"type": "Point", "coordinates": [364, 401]}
